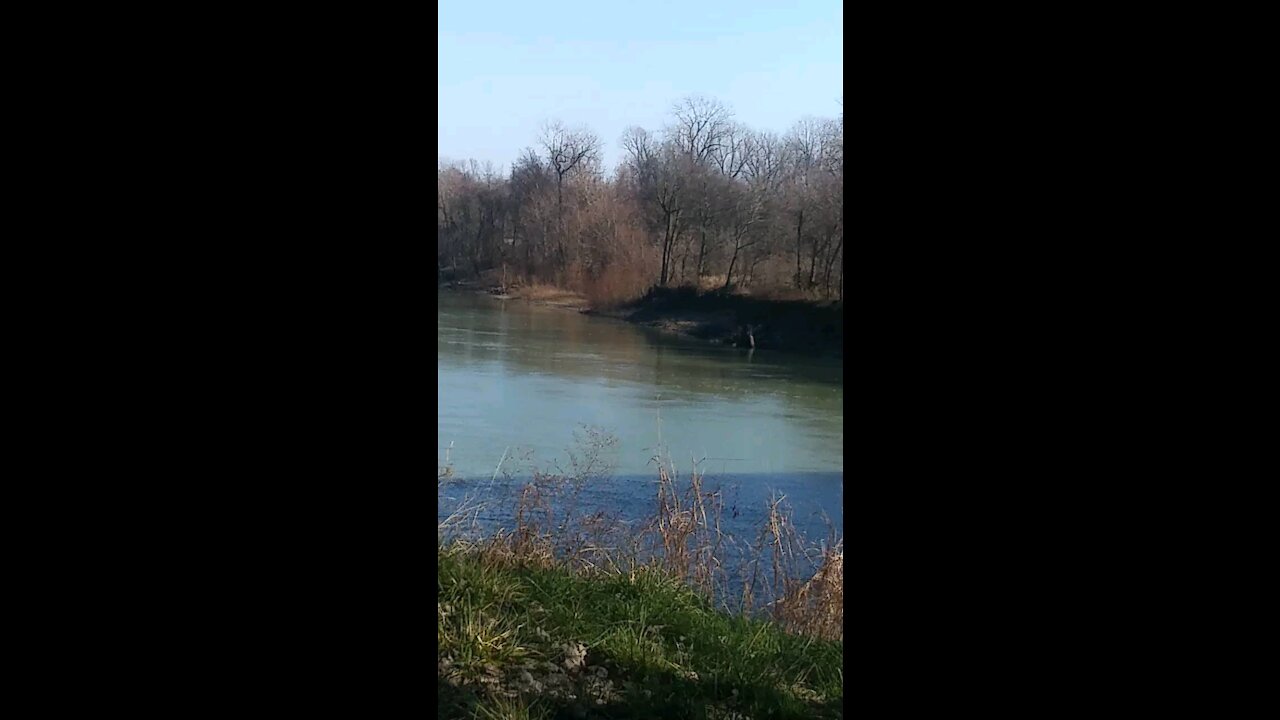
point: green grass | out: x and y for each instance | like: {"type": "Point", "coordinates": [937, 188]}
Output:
{"type": "Point", "coordinates": [512, 639]}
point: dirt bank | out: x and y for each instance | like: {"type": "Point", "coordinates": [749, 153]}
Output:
{"type": "Point", "coordinates": [799, 326]}
{"type": "Point", "coordinates": [795, 326]}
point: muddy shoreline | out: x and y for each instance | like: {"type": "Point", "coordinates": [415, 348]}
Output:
{"type": "Point", "coordinates": [800, 327]}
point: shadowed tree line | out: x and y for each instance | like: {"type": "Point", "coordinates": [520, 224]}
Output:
{"type": "Point", "coordinates": [704, 201]}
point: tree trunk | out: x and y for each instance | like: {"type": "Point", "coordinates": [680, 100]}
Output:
{"type": "Point", "coordinates": [728, 277]}
{"type": "Point", "coordinates": [560, 221]}
{"type": "Point", "coordinates": [799, 236]}
{"type": "Point", "coordinates": [684, 259]}
{"type": "Point", "coordinates": [831, 260]}
{"type": "Point", "coordinates": [702, 255]}
{"type": "Point", "coordinates": [813, 262]}
{"type": "Point", "coordinates": [668, 241]}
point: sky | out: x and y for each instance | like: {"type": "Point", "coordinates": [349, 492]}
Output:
{"type": "Point", "coordinates": [508, 66]}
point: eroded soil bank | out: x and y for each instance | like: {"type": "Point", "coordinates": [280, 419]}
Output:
{"type": "Point", "coordinates": [796, 326]}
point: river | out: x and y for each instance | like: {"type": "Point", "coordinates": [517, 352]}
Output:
{"type": "Point", "coordinates": [525, 387]}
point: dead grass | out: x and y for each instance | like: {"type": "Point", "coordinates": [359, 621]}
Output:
{"type": "Point", "coordinates": [795, 581]}
{"type": "Point", "coordinates": [550, 295]}
{"type": "Point", "coordinates": [614, 286]}
{"type": "Point", "coordinates": [784, 294]}
{"type": "Point", "coordinates": [707, 283]}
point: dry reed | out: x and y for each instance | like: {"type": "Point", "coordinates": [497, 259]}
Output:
{"type": "Point", "coordinates": [803, 582]}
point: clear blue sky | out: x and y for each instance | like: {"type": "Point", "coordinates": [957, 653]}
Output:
{"type": "Point", "coordinates": [506, 66]}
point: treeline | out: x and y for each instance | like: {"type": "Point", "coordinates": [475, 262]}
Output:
{"type": "Point", "coordinates": [704, 201]}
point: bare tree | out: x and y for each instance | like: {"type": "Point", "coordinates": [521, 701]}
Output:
{"type": "Point", "coordinates": [532, 222]}
{"type": "Point", "coordinates": [805, 143]}
{"type": "Point", "coordinates": [639, 146]}
{"type": "Point", "coordinates": [731, 157]}
{"type": "Point", "coordinates": [699, 131]}
{"type": "Point", "coordinates": [764, 159]}
{"type": "Point", "coordinates": [833, 163]}
{"type": "Point", "coordinates": [655, 168]}
{"type": "Point", "coordinates": [699, 127]}
{"type": "Point", "coordinates": [767, 157]}
{"type": "Point", "coordinates": [450, 192]}
{"type": "Point", "coordinates": [706, 192]}
{"type": "Point", "coordinates": [746, 210]}
{"type": "Point", "coordinates": [566, 149]}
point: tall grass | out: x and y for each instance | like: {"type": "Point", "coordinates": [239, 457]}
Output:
{"type": "Point", "coordinates": [777, 574]}
{"type": "Point", "coordinates": [570, 613]}
{"type": "Point", "coordinates": [520, 640]}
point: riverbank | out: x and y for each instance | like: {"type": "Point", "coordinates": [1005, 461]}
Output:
{"type": "Point", "coordinates": [572, 613]}
{"type": "Point", "coordinates": [548, 295]}
{"type": "Point", "coordinates": [797, 326]}
{"type": "Point", "coordinates": [806, 327]}
{"type": "Point", "coordinates": [521, 639]}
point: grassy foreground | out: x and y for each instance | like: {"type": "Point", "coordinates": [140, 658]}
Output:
{"type": "Point", "coordinates": [522, 640]}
